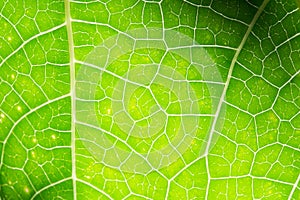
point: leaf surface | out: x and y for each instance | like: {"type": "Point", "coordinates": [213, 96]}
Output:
{"type": "Point", "coordinates": [149, 99]}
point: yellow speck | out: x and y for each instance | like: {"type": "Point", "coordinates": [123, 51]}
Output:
{"type": "Point", "coordinates": [33, 154]}
{"type": "Point", "coordinates": [9, 38]}
{"type": "Point", "coordinates": [26, 189]}
{"type": "Point", "coordinates": [88, 177]}
{"type": "Point", "coordinates": [12, 76]}
{"type": "Point", "coordinates": [9, 182]}
{"type": "Point", "coordinates": [19, 108]}
{"type": "Point", "coordinates": [273, 118]}
{"type": "Point", "coordinates": [34, 140]}
{"type": "Point", "coordinates": [109, 111]}
{"type": "Point", "coordinates": [2, 115]}
{"type": "Point", "coordinates": [53, 137]}
{"type": "Point", "coordinates": [0, 121]}
{"type": "Point", "coordinates": [201, 103]}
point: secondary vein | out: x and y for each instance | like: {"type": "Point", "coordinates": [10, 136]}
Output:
{"type": "Point", "coordinates": [233, 62]}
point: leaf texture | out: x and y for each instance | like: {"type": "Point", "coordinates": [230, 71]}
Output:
{"type": "Point", "coordinates": [149, 99]}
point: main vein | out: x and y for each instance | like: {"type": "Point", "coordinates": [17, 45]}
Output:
{"type": "Point", "coordinates": [72, 90]}
{"type": "Point", "coordinates": [294, 188]}
{"type": "Point", "coordinates": [233, 62]}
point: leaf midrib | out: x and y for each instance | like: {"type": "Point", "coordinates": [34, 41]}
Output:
{"type": "Point", "coordinates": [72, 91]}
{"type": "Point", "coordinates": [233, 62]}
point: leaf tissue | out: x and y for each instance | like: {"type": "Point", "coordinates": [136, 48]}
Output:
{"type": "Point", "coordinates": [149, 99]}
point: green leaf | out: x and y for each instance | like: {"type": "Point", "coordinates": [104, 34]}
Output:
{"type": "Point", "coordinates": [170, 99]}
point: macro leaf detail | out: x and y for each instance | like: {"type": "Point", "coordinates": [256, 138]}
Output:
{"type": "Point", "coordinates": [149, 99]}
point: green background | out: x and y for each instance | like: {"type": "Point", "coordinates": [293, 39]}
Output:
{"type": "Point", "coordinates": [256, 136]}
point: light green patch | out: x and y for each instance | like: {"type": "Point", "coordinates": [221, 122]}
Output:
{"type": "Point", "coordinates": [265, 189]}
{"type": "Point", "coordinates": [190, 184]}
{"type": "Point", "coordinates": [243, 161]}
{"type": "Point", "coordinates": [9, 40]}
{"type": "Point", "coordinates": [287, 104]}
{"type": "Point", "coordinates": [63, 190]}
{"type": "Point", "coordinates": [238, 126]}
{"type": "Point", "coordinates": [264, 158]}
{"type": "Point", "coordinates": [267, 126]}
{"type": "Point", "coordinates": [151, 184]}
{"type": "Point", "coordinates": [231, 189]}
